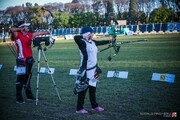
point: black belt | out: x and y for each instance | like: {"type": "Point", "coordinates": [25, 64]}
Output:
{"type": "Point", "coordinates": [91, 68]}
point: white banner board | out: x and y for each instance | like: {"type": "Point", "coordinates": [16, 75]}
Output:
{"type": "Point", "coordinates": [73, 72]}
{"type": "Point", "coordinates": [163, 77]}
{"type": "Point", "coordinates": [69, 37]}
{"type": "Point", "coordinates": [117, 74]}
{"type": "Point", "coordinates": [45, 70]}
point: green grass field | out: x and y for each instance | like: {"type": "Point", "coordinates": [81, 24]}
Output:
{"type": "Point", "coordinates": [135, 98]}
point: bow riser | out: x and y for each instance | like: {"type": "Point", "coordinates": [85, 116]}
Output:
{"type": "Point", "coordinates": [50, 20]}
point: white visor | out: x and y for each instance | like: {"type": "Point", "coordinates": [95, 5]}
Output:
{"type": "Point", "coordinates": [86, 34]}
{"type": "Point", "coordinates": [24, 24]}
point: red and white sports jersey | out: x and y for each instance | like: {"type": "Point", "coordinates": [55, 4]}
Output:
{"type": "Point", "coordinates": [23, 43]}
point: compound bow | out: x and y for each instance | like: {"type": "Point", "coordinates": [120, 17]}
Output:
{"type": "Point", "coordinates": [48, 17]}
{"type": "Point", "coordinates": [116, 45]}
{"type": "Point", "coordinates": [113, 45]}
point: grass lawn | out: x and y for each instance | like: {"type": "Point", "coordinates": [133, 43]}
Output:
{"type": "Point", "coordinates": [135, 98]}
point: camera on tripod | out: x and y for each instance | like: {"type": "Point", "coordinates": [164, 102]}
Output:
{"type": "Point", "coordinates": [37, 42]}
{"type": "Point", "coordinates": [46, 39]}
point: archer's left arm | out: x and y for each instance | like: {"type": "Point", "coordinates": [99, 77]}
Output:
{"type": "Point", "coordinates": [40, 33]}
{"type": "Point", "coordinates": [102, 42]}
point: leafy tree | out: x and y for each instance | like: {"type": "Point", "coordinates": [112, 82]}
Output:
{"type": "Point", "coordinates": [122, 6]}
{"type": "Point", "coordinates": [36, 17]}
{"type": "Point", "coordinates": [82, 19]}
{"type": "Point", "coordinates": [133, 12]}
{"type": "Point", "coordinates": [97, 7]}
{"type": "Point", "coordinates": [76, 7]}
{"type": "Point", "coordinates": [109, 10]}
{"type": "Point", "coordinates": [61, 19]}
{"type": "Point", "coordinates": [79, 13]}
{"type": "Point", "coordinates": [161, 15]}
{"type": "Point", "coordinates": [75, 1]}
{"type": "Point", "coordinates": [28, 4]}
{"type": "Point", "coordinates": [125, 15]}
{"type": "Point", "coordinates": [173, 4]}
{"type": "Point", "coordinates": [142, 17]}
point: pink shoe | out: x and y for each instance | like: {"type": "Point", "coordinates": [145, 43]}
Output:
{"type": "Point", "coordinates": [83, 111]}
{"type": "Point", "coordinates": [98, 108]}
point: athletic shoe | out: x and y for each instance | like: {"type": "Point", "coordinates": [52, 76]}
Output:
{"type": "Point", "coordinates": [30, 99]}
{"type": "Point", "coordinates": [98, 108]}
{"type": "Point", "coordinates": [83, 111]}
{"type": "Point", "coordinates": [20, 101]}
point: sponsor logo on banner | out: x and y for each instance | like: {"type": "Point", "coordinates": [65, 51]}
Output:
{"type": "Point", "coordinates": [177, 26]}
{"type": "Point", "coordinates": [170, 26]}
{"type": "Point", "coordinates": [116, 74]}
{"type": "Point", "coordinates": [162, 77]}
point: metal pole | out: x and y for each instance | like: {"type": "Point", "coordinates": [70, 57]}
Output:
{"type": "Point", "coordinates": [38, 72]}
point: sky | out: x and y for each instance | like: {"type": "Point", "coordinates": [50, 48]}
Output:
{"type": "Point", "coordinates": [7, 3]}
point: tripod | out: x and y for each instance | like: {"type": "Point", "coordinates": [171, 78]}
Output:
{"type": "Point", "coordinates": [40, 50]}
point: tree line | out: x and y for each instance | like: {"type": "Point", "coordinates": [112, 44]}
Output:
{"type": "Point", "coordinates": [80, 13]}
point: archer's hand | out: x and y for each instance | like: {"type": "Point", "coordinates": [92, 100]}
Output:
{"type": "Point", "coordinates": [81, 72]}
{"type": "Point", "coordinates": [22, 59]}
{"type": "Point", "coordinates": [96, 75]}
